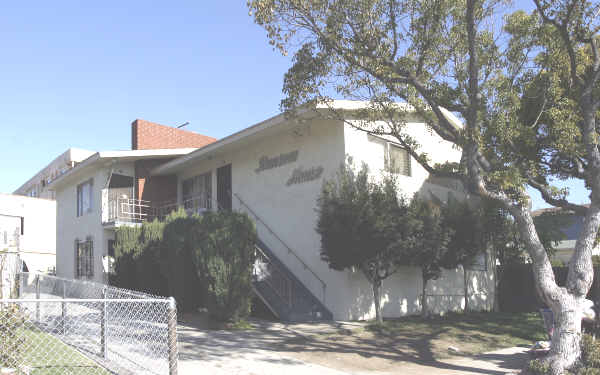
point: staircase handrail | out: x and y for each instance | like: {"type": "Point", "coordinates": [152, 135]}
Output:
{"type": "Point", "coordinates": [323, 284]}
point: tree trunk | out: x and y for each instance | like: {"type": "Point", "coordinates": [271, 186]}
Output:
{"type": "Point", "coordinates": [466, 288]}
{"type": "Point", "coordinates": [424, 307]}
{"type": "Point", "coordinates": [565, 302]}
{"type": "Point", "coordinates": [566, 339]}
{"type": "Point", "coordinates": [377, 300]}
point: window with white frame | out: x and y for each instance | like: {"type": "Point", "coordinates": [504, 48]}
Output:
{"type": "Point", "coordinates": [397, 159]}
{"type": "Point", "coordinates": [84, 197]}
{"type": "Point", "coordinates": [84, 258]}
{"type": "Point", "coordinates": [196, 192]}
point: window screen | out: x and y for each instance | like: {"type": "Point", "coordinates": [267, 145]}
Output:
{"type": "Point", "coordinates": [397, 160]}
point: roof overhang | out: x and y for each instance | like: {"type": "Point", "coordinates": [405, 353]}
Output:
{"type": "Point", "coordinates": [274, 125]}
{"type": "Point", "coordinates": [108, 157]}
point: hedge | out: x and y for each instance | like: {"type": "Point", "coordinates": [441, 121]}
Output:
{"type": "Point", "coordinates": [516, 289]}
{"type": "Point", "coordinates": [200, 260]}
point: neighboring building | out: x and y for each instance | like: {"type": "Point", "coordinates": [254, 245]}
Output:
{"type": "Point", "coordinates": [37, 186]}
{"type": "Point", "coordinates": [114, 188]}
{"type": "Point", "coordinates": [28, 227]}
{"type": "Point", "coordinates": [567, 222]}
{"type": "Point", "coordinates": [274, 171]}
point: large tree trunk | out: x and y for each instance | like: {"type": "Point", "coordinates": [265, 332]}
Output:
{"type": "Point", "coordinates": [565, 302]}
{"type": "Point", "coordinates": [565, 349]}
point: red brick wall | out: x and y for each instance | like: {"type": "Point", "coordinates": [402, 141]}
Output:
{"type": "Point", "coordinates": [146, 135]}
{"type": "Point", "coordinates": [156, 189]}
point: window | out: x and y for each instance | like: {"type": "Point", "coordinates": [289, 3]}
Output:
{"type": "Point", "coordinates": [84, 197]}
{"type": "Point", "coordinates": [397, 160]}
{"type": "Point", "coordinates": [84, 258]}
{"type": "Point", "coordinates": [197, 192]}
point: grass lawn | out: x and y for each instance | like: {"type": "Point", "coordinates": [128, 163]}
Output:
{"type": "Point", "coordinates": [46, 355]}
{"type": "Point", "coordinates": [472, 333]}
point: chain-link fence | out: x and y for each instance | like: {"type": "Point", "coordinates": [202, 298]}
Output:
{"type": "Point", "coordinates": [62, 326]}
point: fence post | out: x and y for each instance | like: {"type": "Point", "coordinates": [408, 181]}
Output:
{"type": "Point", "coordinates": [103, 326]}
{"type": "Point", "coordinates": [172, 339]}
{"type": "Point", "coordinates": [37, 296]}
{"type": "Point", "coordinates": [63, 306]}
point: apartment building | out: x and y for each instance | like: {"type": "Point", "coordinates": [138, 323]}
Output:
{"type": "Point", "coordinates": [38, 185]}
{"type": "Point", "coordinates": [273, 171]}
{"type": "Point", "coordinates": [110, 189]}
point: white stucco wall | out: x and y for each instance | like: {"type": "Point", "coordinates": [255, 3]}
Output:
{"type": "Point", "coordinates": [289, 211]}
{"type": "Point", "coordinates": [71, 227]}
{"type": "Point", "coordinates": [37, 244]}
{"type": "Point", "coordinates": [401, 293]}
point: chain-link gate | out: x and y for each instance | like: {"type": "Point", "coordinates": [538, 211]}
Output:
{"type": "Point", "coordinates": [63, 326]}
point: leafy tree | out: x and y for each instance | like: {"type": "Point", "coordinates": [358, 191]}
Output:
{"type": "Point", "coordinates": [429, 244]}
{"type": "Point", "coordinates": [468, 239]}
{"type": "Point", "coordinates": [361, 226]}
{"type": "Point", "coordinates": [525, 87]}
{"type": "Point", "coordinates": [224, 257]}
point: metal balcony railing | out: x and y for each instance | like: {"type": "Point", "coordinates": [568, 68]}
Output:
{"type": "Point", "coordinates": [127, 210]}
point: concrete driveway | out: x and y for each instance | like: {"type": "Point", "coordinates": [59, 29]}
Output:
{"type": "Point", "coordinates": [240, 353]}
{"type": "Point", "coordinates": [255, 352]}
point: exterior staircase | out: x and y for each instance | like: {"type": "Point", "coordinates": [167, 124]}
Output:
{"type": "Point", "coordinates": [276, 285]}
{"type": "Point", "coordinates": [282, 292]}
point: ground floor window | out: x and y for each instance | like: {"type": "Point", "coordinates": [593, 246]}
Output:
{"type": "Point", "coordinates": [84, 258]}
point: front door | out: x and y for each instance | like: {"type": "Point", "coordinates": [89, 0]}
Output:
{"type": "Point", "coordinates": [224, 187]}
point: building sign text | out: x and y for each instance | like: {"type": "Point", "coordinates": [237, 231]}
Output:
{"type": "Point", "coordinates": [266, 162]}
{"type": "Point", "coordinates": [301, 175]}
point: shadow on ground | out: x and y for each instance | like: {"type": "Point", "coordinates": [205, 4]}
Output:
{"type": "Point", "coordinates": [333, 346]}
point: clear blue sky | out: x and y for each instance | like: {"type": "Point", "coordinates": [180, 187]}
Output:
{"type": "Point", "coordinates": [76, 74]}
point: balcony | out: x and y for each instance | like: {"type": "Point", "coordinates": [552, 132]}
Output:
{"type": "Point", "coordinates": [124, 211]}
{"type": "Point", "coordinates": [118, 211]}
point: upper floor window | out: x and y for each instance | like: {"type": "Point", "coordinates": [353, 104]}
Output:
{"type": "Point", "coordinates": [196, 192]}
{"type": "Point", "coordinates": [397, 159]}
{"type": "Point", "coordinates": [84, 197]}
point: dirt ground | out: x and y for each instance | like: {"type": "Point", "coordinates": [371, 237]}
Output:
{"type": "Point", "coordinates": [349, 348]}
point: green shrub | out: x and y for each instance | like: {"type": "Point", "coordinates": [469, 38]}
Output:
{"type": "Point", "coordinates": [538, 367]}
{"type": "Point", "coordinates": [590, 352]}
{"type": "Point", "coordinates": [590, 359]}
{"type": "Point", "coordinates": [224, 260]}
{"type": "Point", "coordinates": [156, 258]}
{"type": "Point", "coordinates": [588, 371]}
{"type": "Point", "coordinates": [177, 259]}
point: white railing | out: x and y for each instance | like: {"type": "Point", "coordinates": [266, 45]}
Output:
{"type": "Point", "coordinates": [197, 204]}
{"type": "Point", "coordinates": [126, 210]}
